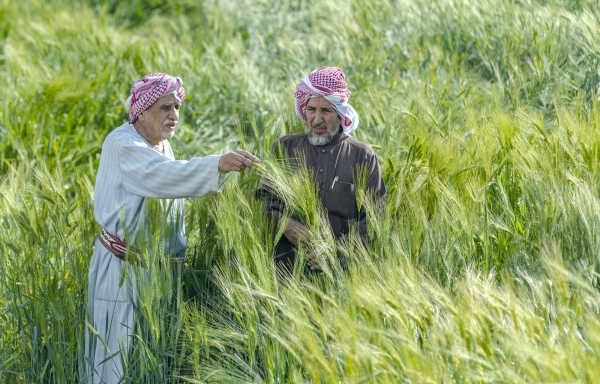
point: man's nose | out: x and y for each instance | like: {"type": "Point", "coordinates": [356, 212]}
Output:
{"type": "Point", "coordinates": [174, 114]}
{"type": "Point", "coordinates": [318, 118]}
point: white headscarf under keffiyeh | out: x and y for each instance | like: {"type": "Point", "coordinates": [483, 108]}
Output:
{"type": "Point", "coordinates": [330, 83]}
{"type": "Point", "coordinates": [150, 88]}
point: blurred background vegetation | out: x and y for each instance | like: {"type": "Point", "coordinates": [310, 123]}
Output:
{"type": "Point", "coordinates": [484, 116]}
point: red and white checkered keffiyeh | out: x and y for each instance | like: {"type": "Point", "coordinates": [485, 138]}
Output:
{"type": "Point", "coordinates": [150, 88]}
{"type": "Point", "coordinates": [330, 83]}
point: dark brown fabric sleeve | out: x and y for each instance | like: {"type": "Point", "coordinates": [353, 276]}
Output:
{"type": "Point", "coordinates": [273, 204]}
{"type": "Point", "coordinates": [375, 187]}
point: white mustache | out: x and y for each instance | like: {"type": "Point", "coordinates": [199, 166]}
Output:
{"type": "Point", "coordinates": [168, 121]}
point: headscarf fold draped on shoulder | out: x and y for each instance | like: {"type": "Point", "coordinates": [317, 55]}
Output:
{"type": "Point", "coordinates": [330, 83]}
{"type": "Point", "coordinates": [150, 88]}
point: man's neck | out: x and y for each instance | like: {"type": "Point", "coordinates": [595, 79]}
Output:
{"type": "Point", "coordinates": [157, 144]}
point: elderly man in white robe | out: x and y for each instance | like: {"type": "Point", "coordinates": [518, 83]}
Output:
{"type": "Point", "coordinates": [137, 164]}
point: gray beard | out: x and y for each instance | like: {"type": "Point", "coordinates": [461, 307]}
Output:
{"type": "Point", "coordinates": [318, 141]}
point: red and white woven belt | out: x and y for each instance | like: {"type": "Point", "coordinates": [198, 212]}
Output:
{"type": "Point", "coordinates": [118, 247]}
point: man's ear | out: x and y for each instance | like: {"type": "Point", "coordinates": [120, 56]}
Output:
{"type": "Point", "coordinates": [141, 116]}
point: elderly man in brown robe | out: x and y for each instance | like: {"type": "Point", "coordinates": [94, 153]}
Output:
{"type": "Point", "coordinates": [326, 147]}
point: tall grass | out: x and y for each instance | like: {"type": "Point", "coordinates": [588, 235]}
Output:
{"type": "Point", "coordinates": [484, 116]}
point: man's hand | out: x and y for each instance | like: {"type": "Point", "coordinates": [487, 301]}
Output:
{"type": "Point", "coordinates": [294, 230]}
{"type": "Point", "coordinates": [315, 261]}
{"type": "Point", "coordinates": [237, 161]}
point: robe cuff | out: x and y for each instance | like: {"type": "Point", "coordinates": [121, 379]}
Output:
{"type": "Point", "coordinates": [215, 179]}
{"type": "Point", "coordinates": [221, 182]}
{"type": "Point", "coordinates": [221, 176]}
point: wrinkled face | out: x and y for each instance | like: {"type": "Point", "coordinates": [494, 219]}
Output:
{"type": "Point", "coordinates": [322, 121]}
{"type": "Point", "coordinates": [158, 122]}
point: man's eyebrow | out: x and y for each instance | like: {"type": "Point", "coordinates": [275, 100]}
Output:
{"type": "Point", "coordinates": [169, 103]}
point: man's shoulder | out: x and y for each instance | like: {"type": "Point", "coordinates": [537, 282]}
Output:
{"type": "Point", "coordinates": [296, 141]}
{"type": "Point", "coordinates": [292, 138]}
{"type": "Point", "coordinates": [359, 145]}
{"type": "Point", "coordinates": [124, 135]}
{"type": "Point", "coordinates": [123, 130]}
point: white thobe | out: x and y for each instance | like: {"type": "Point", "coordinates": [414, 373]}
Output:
{"type": "Point", "coordinates": [130, 172]}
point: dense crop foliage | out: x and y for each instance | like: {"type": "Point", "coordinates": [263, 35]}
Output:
{"type": "Point", "coordinates": [486, 121]}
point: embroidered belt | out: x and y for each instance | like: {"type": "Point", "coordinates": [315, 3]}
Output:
{"type": "Point", "coordinates": [118, 247]}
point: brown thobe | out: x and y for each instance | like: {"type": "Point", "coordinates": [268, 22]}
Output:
{"type": "Point", "coordinates": [338, 160]}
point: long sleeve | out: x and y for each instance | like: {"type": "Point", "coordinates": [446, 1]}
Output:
{"type": "Point", "coordinates": [274, 204]}
{"type": "Point", "coordinates": [375, 187]}
{"type": "Point", "coordinates": [148, 173]}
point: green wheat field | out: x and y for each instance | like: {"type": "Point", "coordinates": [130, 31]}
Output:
{"type": "Point", "coordinates": [485, 117]}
